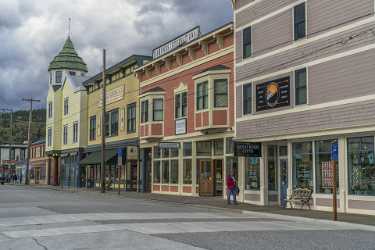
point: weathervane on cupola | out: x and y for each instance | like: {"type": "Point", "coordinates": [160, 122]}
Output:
{"type": "Point", "coordinates": [66, 62]}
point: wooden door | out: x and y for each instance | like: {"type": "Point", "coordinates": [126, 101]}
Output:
{"type": "Point", "coordinates": [206, 178]}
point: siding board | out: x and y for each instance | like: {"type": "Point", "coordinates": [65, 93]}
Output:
{"type": "Point", "coordinates": [338, 43]}
{"type": "Point", "coordinates": [343, 78]}
{"type": "Point", "coordinates": [338, 117]}
{"type": "Point", "coordinates": [273, 33]}
{"type": "Point", "coordinates": [325, 15]}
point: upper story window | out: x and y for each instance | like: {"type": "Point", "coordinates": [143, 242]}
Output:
{"type": "Point", "coordinates": [12, 154]}
{"type": "Point", "coordinates": [202, 96]}
{"type": "Point", "coordinates": [72, 73]}
{"type": "Point", "coordinates": [93, 128]}
{"type": "Point", "coordinates": [300, 77]}
{"type": "Point", "coordinates": [58, 76]}
{"type": "Point", "coordinates": [75, 132]}
{"type": "Point", "coordinates": [181, 105]}
{"type": "Point", "coordinates": [220, 93]}
{"type": "Point", "coordinates": [131, 118]}
{"type": "Point", "coordinates": [49, 137]}
{"type": "Point", "coordinates": [247, 51]}
{"type": "Point", "coordinates": [66, 105]}
{"type": "Point", "coordinates": [65, 135]}
{"type": "Point", "coordinates": [50, 77]}
{"type": "Point", "coordinates": [144, 111]}
{"type": "Point", "coordinates": [299, 21]}
{"type": "Point", "coordinates": [157, 109]}
{"type": "Point", "coordinates": [111, 123]}
{"type": "Point", "coordinates": [49, 109]}
{"type": "Point", "coordinates": [247, 98]}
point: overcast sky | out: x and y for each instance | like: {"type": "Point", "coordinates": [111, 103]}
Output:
{"type": "Point", "coordinates": [32, 32]}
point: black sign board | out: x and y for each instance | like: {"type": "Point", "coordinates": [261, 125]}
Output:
{"type": "Point", "coordinates": [273, 94]}
{"type": "Point", "coordinates": [247, 149]}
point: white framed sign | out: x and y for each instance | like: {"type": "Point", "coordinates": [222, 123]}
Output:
{"type": "Point", "coordinates": [181, 126]}
{"type": "Point", "coordinates": [175, 43]}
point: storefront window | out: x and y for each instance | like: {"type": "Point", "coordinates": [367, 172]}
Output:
{"type": "Point", "coordinates": [156, 152]}
{"type": "Point", "coordinates": [361, 167]}
{"type": "Point", "coordinates": [229, 146]}
{"type": "Point", "coordinates": [174, 152]}
{"type": "Point", "coordinates": [272, 168]}
{"type": "Point", "coordinates": [302, 165]}
{"type": "Point", "coordinates": [232, 166]}
{"type": "Point", "coordinates": [218, 147]}
{"type": "Point", "coordinates": [252, 175]}
{"type": "Point", "coordinates": [165, 152]}
{"type": "Point", "coordinates": [156, 171]}
{"type": "Point", "coordinates": [204, 148]}
{"type": "Point", "coordinates": [323, 167]}
{"type": "Point", "coordinates": [187, 171]}
{"type": "Point", "coordinates": [187, 148]}
{"type": "Point", "coordinates": [165, 172]}
{"type": "Point", "coordinates": [174, 172]}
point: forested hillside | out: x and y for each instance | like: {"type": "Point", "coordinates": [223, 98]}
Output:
{"type": "Point", "coordinates": [20, 126]}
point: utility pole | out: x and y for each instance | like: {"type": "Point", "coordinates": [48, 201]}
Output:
{"type": "Point", "coordinates": [103, 162]}
{"type": "Point", "coordinates": [31, 100]}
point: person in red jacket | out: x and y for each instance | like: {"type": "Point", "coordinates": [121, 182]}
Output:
{"type": "Point", "coordinates": [231, 189]}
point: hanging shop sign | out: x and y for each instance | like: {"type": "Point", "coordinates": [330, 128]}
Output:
{"type": "Point", "coordinates": [273, 94]}
{"type": "Point", "coordinates": [175, 43]}
{"type": "Point", "coordinates": [248, 149]}
{"type": "Point", "coordinates": [169, 145]}
{"type": "Point", "coordinates": [181, 126]}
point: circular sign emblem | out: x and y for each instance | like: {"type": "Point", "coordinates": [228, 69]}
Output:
{"type": "Point", "coordinates": [272, 94]}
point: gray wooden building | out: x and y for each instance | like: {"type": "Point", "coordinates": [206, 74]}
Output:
{"type": "Point", "coordinates": [305, 80]}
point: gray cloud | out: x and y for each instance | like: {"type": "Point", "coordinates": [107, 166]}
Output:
{"type": "Point", "coordinates": [33, 31]}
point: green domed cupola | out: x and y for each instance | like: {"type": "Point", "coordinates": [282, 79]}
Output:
{"type": "Point", "coordinates": [68, 59]}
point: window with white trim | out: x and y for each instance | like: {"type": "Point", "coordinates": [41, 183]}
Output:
{"type": "Point", "coordinates": [157, 109]}
{"type": "Point", "coordinates": [220, 93]}
{"type": "Point", "coordinates": [300, 77]}
{"type": "Point", "coordinates": [246, 35]}
{"type": "Point", "coordinates": [202, 96]}
{"type": "Point", "coordinates": [181, 105]}
{"type": "Point", "coordinates": [299, 21]}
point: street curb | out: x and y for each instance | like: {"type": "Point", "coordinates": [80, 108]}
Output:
{"type": "Point", "coordinates": [224, 209]}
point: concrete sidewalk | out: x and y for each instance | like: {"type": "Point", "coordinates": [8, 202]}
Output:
{"type": "Point", "coordinates": [220, 203]}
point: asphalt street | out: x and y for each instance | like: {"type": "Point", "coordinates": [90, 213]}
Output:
{"type": "Point", "coordinates": [42, 219]}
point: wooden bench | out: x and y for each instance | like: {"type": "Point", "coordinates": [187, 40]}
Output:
{"type": "Point", "coordinates": [302, 196]}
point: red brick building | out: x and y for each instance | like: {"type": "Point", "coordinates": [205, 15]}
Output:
{"type": "Point", "coordinates": [39, 173]}
{"type": "Point", "coordinates": [187, 114]}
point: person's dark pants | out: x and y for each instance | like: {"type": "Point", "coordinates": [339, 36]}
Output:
{"type": "Point", "coordinates": [231, 192]}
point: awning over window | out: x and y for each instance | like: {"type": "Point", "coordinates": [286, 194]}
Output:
{"type": "Point", "coordinates": [95, 157]}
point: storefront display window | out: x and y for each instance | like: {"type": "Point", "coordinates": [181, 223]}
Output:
{"type": "Point", "coordinates": [165, 152]}
{"type": "Point", "coordinates": [232, 166]}
{"type": "Point", "coordinates": [174, 172]}
{"type": "Point", "coordinates": [272, 168]}
{"type": "Point", "coordinates": [156, 152]}
{"type": "Point", "coordinates": [187, 148]}
{"type": "Point", "coordinates": [165, 172]}
{"type": "Point", "coordinates": [229, 146]}
{"type": "Point", "coordinates": [174, 152]}
{"type": "Point", "coordinates": [204, 148]}
{"type": "Point", "coordinates": [324, 167]}
{"type": "Point", "coordinates": [218, 147]}
{"type": "Point", "coordinates": [361, 166]}
{"type": "Point", "coordinates": [302, 165]}
{"type": "Point", "coordinates": [187, 171]}
{"type": "Point", "coordinates": [252, 174]}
